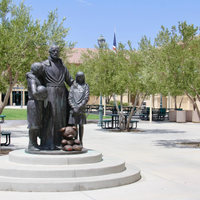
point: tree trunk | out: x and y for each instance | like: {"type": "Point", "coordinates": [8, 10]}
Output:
{"type": "Point", "coordinates": [137, 97]}
{"type": "Point", "coordinates": [108, 99]}
{"type": "Point", "coordinates": [181, 102]}
{"type": "Point", "coordinates": [10, 88]}
{"type": "Point", "coordinates": [121, 116]}
{"type": "Point", "coordinates": [194, 103]}
{"type": "Point", "coordinates": [142, 101]}
{"type": "Point", "coordinates": [175, 104]}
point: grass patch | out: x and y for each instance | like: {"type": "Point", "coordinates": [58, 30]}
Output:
{"type": "Point", "coordinates": [92, 116]}
{"type": "Point", "coordinates": [21, 114]}
{"type": "Point", "coordinates": [15, 114]}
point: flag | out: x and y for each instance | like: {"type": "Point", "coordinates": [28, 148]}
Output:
{"type": "Point", "coordinates": [114, 43]}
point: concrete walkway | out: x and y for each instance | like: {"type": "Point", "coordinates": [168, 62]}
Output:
{"type": "Point", "coordinates": [169, 170]}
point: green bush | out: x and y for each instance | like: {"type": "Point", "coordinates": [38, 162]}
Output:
{"type": "Point", "coordinates": [112, 103]}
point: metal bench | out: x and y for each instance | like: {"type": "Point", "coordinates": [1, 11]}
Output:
{"type": "Point", "coordinates": [132, 124]}
{"type": "Point", "coordinates": [8, 139]}
{"type": "Point", "coordinates": [105, 124]}
{"type": "Point", "coordinates": [2, 118]}
{"type": "Point", "coordinates": [144, 116]}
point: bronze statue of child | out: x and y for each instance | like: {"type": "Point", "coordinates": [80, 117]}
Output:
{"type": "Point", "coordinates": [78, 98]}
{"type": "Point", "coordinates": [37, 95]}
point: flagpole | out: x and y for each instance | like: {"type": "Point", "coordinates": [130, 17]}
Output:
{"type": "Point", "coordinates": [114, 41]}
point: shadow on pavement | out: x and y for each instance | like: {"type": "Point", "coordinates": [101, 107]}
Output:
{"type": "Point", "coordinates": [159, 131]}
{"type": "Point", "coordinates": [174, 143]}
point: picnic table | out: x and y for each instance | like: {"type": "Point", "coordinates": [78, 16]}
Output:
{"type": "Point", "coordinates": [157, 114]}
{"type": "Point", "coordinates": [8, 139]}
{"type": "Point", "coordinates": [114, 122]}
{"type": "Point", "coordinates": [2, 118]}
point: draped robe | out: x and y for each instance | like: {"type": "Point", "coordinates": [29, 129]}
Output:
{"type": "Point", "coordinates": [56, 113]}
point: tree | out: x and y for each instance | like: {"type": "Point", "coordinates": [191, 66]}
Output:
{"type": "Point", "coordinates": [113, 74]}
{"type": "Point", "coordinates": [142, 81]}
{"type": "Point", "coordinates": [24, 41]}
{"type": "Point", "coordinates": [178, 60]}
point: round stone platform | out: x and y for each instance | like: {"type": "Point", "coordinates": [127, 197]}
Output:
{"type": "Point", "coordinates": [55, 152]}
{"type": "Point", "coordinates": [20, 171]}
{"type": "Point", "coordinates": [21, 157]}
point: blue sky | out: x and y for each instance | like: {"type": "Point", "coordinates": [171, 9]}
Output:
{"type": "Point", "coordinates": [88, 19]}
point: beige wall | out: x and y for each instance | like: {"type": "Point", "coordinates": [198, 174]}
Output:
{"type": "Point", "coordinates": [92, 99]}
{"type": "Point", "coordinates": [168, 102]}
{"type": "Point", "coordinates": [19, 90]}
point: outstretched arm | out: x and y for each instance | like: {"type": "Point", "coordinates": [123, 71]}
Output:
{"type": "Point", "coordinates": [68, 79]}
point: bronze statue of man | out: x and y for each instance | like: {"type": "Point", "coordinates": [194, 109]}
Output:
{"type": "Point", "coordinates": [55, 74]}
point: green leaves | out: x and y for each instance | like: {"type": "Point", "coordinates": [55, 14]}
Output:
{"type": "Point", "coordinates": [24, 40]}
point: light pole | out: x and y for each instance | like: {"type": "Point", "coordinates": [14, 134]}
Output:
{"type": "Point", "coordinates": [101, 42]}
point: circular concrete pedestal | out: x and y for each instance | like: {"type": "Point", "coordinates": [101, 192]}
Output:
{"type": "Point", "coordinates": [54, 152]}
{"type": "Point", "coordinates": [20, 171]}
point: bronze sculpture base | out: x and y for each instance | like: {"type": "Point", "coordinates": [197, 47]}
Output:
{"type": "Point", "coordinates": [55, 152]}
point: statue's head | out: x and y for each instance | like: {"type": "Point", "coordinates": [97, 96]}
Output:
{"type": "Point", "coordinates": [80, 77]}
{"type": "Point", "coordinates": [54, 52]}
{"type": "Point", "coordinates": [36, 68]}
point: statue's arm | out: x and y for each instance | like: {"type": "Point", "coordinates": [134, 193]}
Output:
{"type": "Point", "coordinates": [68, 79]}
{"type": "Point", "coordinates": [33, 87]}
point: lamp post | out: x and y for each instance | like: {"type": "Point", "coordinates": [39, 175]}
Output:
{"type": "Point", "coordinates": [101, 41]}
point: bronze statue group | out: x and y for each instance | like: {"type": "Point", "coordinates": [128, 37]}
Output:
{"type": "Point", "coordinates": [51, 107]}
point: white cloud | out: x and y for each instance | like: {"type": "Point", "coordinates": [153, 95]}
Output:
{"type": "Point", "coordinates": [86, 3]}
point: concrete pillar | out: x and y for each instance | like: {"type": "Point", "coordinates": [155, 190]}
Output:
{"type": "Point", "coordinates": [23, 100]}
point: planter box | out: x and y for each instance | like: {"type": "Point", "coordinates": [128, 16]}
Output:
{"type": "Point", "coordinates": [172, 115]}
{"type": "Point", "coordinates": [195, 117]}
{"type": "Point", "coordinates": [181, 116]}
{"type": "Point", "coordinates": [189, 115]}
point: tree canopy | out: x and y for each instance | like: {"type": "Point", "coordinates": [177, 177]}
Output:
{"type": "Point", "coordinates": [169, 65]}
{"type": "Point", "coordinates": [25, 41]}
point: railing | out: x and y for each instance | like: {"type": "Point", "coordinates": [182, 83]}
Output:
{"type": "Point", "coordinates": [126, 109]}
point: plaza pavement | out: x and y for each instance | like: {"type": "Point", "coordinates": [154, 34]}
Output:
{"type": "Point", "coordinates": [169, 170]}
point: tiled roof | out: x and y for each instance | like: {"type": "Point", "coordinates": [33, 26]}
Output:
{"type": "Point", "coordinates": [75, 57]}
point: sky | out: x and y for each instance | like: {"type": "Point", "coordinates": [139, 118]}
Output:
{"type": "Point", "coordinates": [132, 19]}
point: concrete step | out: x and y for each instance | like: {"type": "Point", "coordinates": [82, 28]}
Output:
{"type": "Point", "coordinates": [20, 171]}
{"type": "Point", "coordinates": [130, 175]}
{"type": "Point", "coordinates": [108, 165]}
{"type": "Point", "coordinates": [20, 157]}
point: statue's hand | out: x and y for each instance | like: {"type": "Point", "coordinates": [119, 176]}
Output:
{"type": "Point", "coordinates": [38, 97]}
{"type": "Point", "coordinates": [76, 110]}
